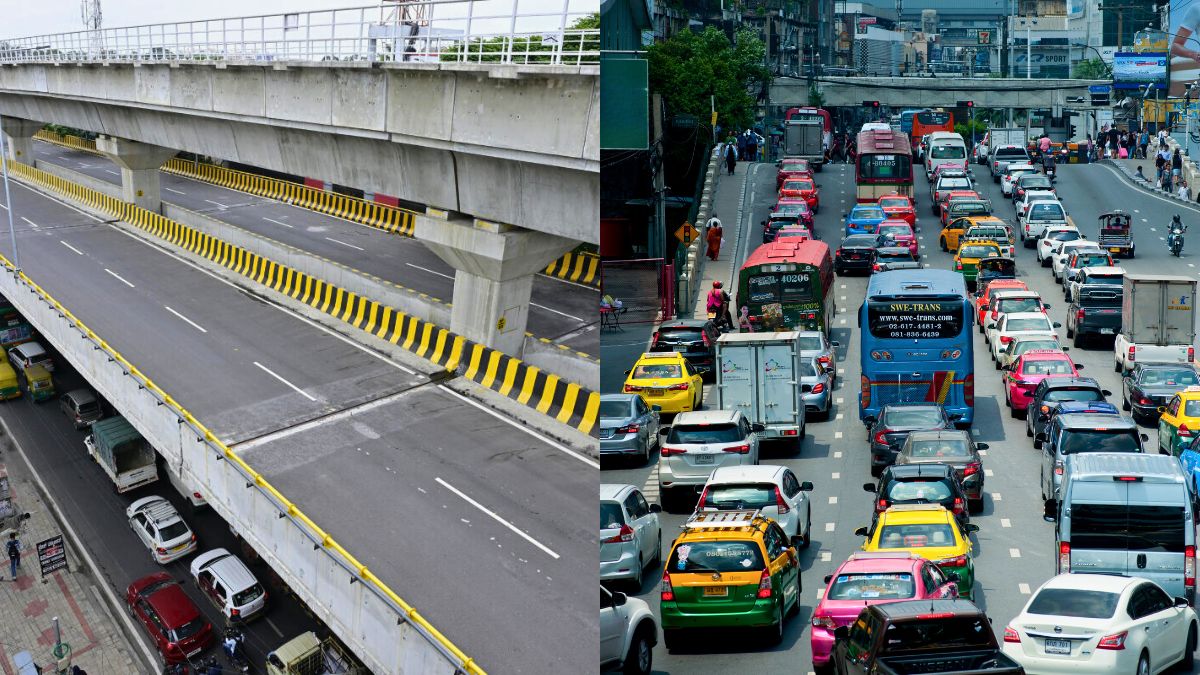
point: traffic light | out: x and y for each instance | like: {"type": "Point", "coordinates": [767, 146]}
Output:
{"type": "Point", "coordinates": [966, 104]}
{"type": "Point", "coordinates": [1071, 130]}
{"type": "Point", "coordinates": [871, 104]}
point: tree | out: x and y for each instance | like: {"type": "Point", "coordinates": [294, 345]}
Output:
{"type": "Point", "coordinates": [691, 67]}
{"type": "Point", "coordinates": [815, 98]}
{"type": "Point", "coordinates": [1093, 69]}
{"type": "Point", "coordinates": [526, 49]}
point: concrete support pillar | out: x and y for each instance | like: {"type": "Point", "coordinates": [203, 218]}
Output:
{"type": "Point", "coordinates": [18, 138]}
{"type": "Point", "coordinates": [494, 266]}
{"type": "Point", "coordinates": [139, 164]}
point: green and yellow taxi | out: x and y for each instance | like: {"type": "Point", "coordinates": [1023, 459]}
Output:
{"type": "Point", "coordinates": [969, 255]}
{"type": "Point", "coordinates": [930, 531]}
{"type": "Point", "coordinates": [40, 383]}
{"type": "Point", "coordinates": [1180, 421]}
{"type": "Point", "coordinates": [729, 569]}
{"type": "Point", "coordinates": [665, 379]}
{"type": "Point", "coordinates": [10, 388]}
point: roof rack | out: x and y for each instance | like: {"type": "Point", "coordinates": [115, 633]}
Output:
{"type": "Point", "coordinates": [160, 511]}
{"type": "Point", "coordinates": [707, 520]}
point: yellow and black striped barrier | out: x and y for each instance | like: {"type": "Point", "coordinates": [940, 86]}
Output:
{"type": "Point", "coordinates": [566, 402]}
{"type": "Point", "coordinates": [581, 268]}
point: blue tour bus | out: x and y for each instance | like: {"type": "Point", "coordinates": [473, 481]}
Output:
{"type": "Point", "coordinates": [915, 328]}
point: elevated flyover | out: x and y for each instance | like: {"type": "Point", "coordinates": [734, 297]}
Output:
{"type": "Point", "coordinates": [501, 143]}
{"type": "Point", "coordinates": [912, 92]}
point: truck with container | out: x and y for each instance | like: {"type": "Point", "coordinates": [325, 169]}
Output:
{"type": "Point", "coordinates": [122, 452]}
{"type": "Point", "coordinates": [1158, 321]}
{"type": "Point", "coordinates": [759, 374]}
{"type": "Point", "coordinates": [803, 137]}
{"type": "Point", "coordinates": [920, 636]}
{"type": "Point", "coordinates": [307, 655]}
{"type": "Point", "coordinates": [1004, 136]}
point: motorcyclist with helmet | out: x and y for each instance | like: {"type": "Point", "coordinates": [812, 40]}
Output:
{"type": "Point", "coordinates": [718, 307]}
{"type": "Point", "coordinates": [1175, 235]}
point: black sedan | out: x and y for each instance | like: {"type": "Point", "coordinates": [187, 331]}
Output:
{"type": "Point", "coordinates": [1150, 385]}
{"type": "Point", "coordinates": [1055, 390]}
{"type": "Point", "coordinates": [696, 339]}
{"type": "Point", "coordinates": [1032, 181]}
{"type": "Point", "coordinates": [931, 483]}
{"type": "Point", "coordinates": [857, 252]}
{"type": "Point", "coordinates": [888, 432]}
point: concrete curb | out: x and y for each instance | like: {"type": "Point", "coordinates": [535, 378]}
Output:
{"type": "Point", "coordinates": [1131, 178]}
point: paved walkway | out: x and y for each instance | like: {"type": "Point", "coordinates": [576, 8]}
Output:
{"type": "Point", "coordinates": [1128, 167]}
{"type": "Point", "coordinates": [728, 205]}
{"type": "Point", "coordinates": [73, 594]}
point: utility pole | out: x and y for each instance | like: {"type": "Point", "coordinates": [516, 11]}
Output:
{"type": "Point", "coordinates": [92, 20]}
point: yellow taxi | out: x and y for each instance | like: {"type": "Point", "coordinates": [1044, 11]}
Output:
{"type": "Point", "coordinates": [930, 531]}
{"type": "Point", "coordinates": [729, 569]}
{"type": "Point", "coordinates": [954, 231]}
{"type": "Point", "coordinates": [970, 253]}
{"type": "Point", "coordinates": [667, 380]}
{"type": "Point", "coordinates": [1180, 421]}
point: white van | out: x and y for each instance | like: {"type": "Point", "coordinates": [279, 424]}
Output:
{"type": "Point", "coordinates": [945, 147]}
{"type": "Point", "coordinates": [30, 353]}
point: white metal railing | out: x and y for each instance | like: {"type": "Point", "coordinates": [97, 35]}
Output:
{"type": "Point", "coordinates": [471, 31]}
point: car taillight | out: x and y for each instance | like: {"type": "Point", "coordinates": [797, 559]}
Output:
{"type": "Point", "coordinates": [971, 469]}
{"type": "Point", "coordinates": [779, 503]}
{"type": "Point", "coordinates": [234, 613]}
{"type": "Point", "coordinates": [864, 384]}
{"type": "Point", "coordinates": [958, 265]}
{"type": "Point", "coordinates": [956, 561]}
{"type": "Point", "coordinates": [1191, 354]}
{"type": "Point", "coordinates": [1115, 641]}
{"type": "Point", "coordinates": [881, 505]}
{"type": "Point", "coordinates": [161, 550]}
{"type": "Point", "coordinates": [1144, 401]}
{"type": "Point", "coordinates": [629, 429]}
{"type": "Point", "coordinates": [1079, 315]}
{"type": "Point", "coordinates": [678, 387]}
{"type": "Point", "coordinates": [764, 585]}
{"type": "Point", "coordinates": [969, 390]}
{"type": "Point", "coordinates": [839, 252]}
{"type": "Point", "coordinates": [193, 537]}
{"type": "Point", "coordinates": [1005, 339]}
{"type": "Point", "coordinates": [1189, 566]}
{"type": "Point", "coordinates": [1132, 351]}
{"type": "Point", "coordinates": [1064, 557]}
{"type": "Point", "coordinates": [703, 496]}
{"type": "Point", "coordinates": [739, 449]}
{"type": "Point", "coordinates": [704, 336]}
{"type": "Point", "coordinates": [1058, 467]}
{"type": "Point", "coordinates": [654, 338]}
{"type": "Point", "coordinates": [881, 437]}
{"type": "Point", "coordinates": [876, 267]}
{"type": "Point", "coordinates": [1011, 635]}
{"type": "Point", "coordinates": [825, 360]}
{"type": "Point", "coordinates": [632, 389]}
{"type": "Point", "coordinates": [822, 621]}
{"type": "Point", "coordinates": [626, 534]}
{"type": "Point", "coordinates": [667, 451]}
{"type": "Point", "coordinates": [818, 388]}
{"type": "Point", "coordinates": [995, 314]}
{"type": "Point", "coordinates": [1184, 431]}
{"type": "Point", "coordinates": [667, 593]}
{"type": "Point", "coordinates": [958, 505]}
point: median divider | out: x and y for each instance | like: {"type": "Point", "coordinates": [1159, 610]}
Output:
{"type": "Point", "coordinates": [579, 267]}
{"type": "Point", "coordinates": [546, 393]}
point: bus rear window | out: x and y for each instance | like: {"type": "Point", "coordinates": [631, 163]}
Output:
{"type": "Point", "coordinates": [884, 167]}
{"type": "Point", "coordinates": [784, 287]}
{"type": "Point", "coordinates": [947, 152]}
{"type": "Point", "coordinates": [915, 319]}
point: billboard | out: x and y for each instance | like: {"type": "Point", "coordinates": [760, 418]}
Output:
{"type": "Point", "coordinates": [1132, 71]}
{"type": "Point", "coordinates": [1183, 35]}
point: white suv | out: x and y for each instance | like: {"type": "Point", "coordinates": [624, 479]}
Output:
{"type": "Point", "coordinates": [628, 633]}
{"type": "Point", "coordinates": [1050, 240]}
{"type": "Point", "coordinates": [697, 443]}
{"type": "Point", "coordinates": [229, 584]}
{"type": "Point", "coordinates": [773, 489]}
{"type": "Point", "coordinates": [156, 522]}
{"type": "Point", "coordinates": [1011, 174]}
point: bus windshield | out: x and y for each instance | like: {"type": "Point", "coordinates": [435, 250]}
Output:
{"type": "Point", "coordinates": [884, 167]}
{"type": "Point", "coordinates": [793, 287]}
{"type": "Point", "coordinates": [927, 319]}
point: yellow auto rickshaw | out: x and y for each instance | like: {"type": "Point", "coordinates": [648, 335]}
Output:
{"type": "Point", "coordinates": [39, 382]}
{"type": "Point", "coordinates": [10, 388]}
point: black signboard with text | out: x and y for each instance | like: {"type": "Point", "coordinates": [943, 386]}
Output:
{"type": "Point", "coordinates": [52, 554]}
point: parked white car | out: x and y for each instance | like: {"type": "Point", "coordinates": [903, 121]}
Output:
{"type": "Point", "coordinates": [1014, 324]}
{"type": "Point", "coordinates": [630, 535]}
{"type": "Point", "coordinates": [773, 489]}
{"type": "Point", "coordinates": [1102, 624]}
{"type": "Point", "coordinates": [1058, 260]}
{"type": "Point", "coordinates": [1051, 238]}
{"type": "Point", "coordinates": [156, 522]}
{"type": "Point", "coordinates": [628, 633]}
{"type": "Point", "coordinates": [1011, 174]}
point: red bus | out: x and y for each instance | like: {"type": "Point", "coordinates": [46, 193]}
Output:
{"type": "Point", "coordinates": [884, 166]}
{"type": "Point", "coordinates": [788, 285]}
{"type": "Point", "coordinates": [929, 121]}
{"type": "Point", "coordinates": [811, 111]}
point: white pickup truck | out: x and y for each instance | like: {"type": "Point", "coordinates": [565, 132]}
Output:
{"type": "Point", "coordinates": [1158, 321]}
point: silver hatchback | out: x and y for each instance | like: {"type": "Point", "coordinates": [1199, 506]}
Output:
{"type": "Point", "coordinates": [816, 388]}
{"type": "Point", "coordinates": [696, 444]}
{"type": "Point", "coordinates": [814, 344]}
{"type": "Point", "coordinates": [628, 426]}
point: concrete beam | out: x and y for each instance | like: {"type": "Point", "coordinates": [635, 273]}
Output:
{"type": "Point", "coordinates": [140, 164]}
{"type": "Point", "coordinates": [494, 265]}
{"type": "Point", "coordinates": [912, 92]}
{"type": "Point", "coordinates": [18, 138]}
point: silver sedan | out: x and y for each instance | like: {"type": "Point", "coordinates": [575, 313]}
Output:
{"type": "Point", "coordinates": [628, 427]}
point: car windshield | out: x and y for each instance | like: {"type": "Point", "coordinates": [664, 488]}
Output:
{"type": "Point", "coordinates": [970, 209]}
{"type": "Point", "coordinates": [1128, 527]}
{"type": "Point", "coordinates": [895, 230]}
{"type": "Point", "coordinates": [173, 531]}
{"type": "Point", "coordinates": [1173, 377]}
{"type": "Point", "coordinates": [1074, 602]}
{"type": "Point", "coordinates": [1076, 441]}
{"type": "Point", "coordinates": [1091, 260]}
{"type": "Point", "coordinates": [1030, 323]}
{"type": "Point", "coordinates": [1019, 305]}
{"type": "Point", "coordinates": [895, 256]}
{"type": "Point", "coordinates": [1035, 182]}
{"type": "Point", "coordinates": [1014, 175]}
{"type": "Point", "coordinates": [952, 183]}
{"type": "Point", "coordinates": [866, 213]}
{"type": "Point", "coordinates": [942, 633]}
{"type": "Point", "coordinates": [716, 556]}
{"type": "Point", "coordinates": [791, 209]}
{"type": "Point", "coordinates": [611, 516]}
{"type": "Point", "coordinates": [1046, 367]}
{"type": "Point", "coordinates": [739, 496]}
{"type": "Point", "coordinates": [807, 369]}
{"type": "Point", "coordinates": [918, 535]}
{"type": "Point", "coordinates": [727, 432]}
{"type": "Point", "coordinates": [947, 152]}
{"type": "Point", "coordinates": [1075, 394]}
{"type": "Point", "coordinates": [888, 586]}
{"type": "Point", "coordinates": [810, 343]}
{"type": "Point", "coordinates": [1009, 153]}
{"type": "Point", "coordinates": [680, 335]}
{"type": "Point", "coordinates": [913, 417]}
{"type": "Point", "coordinates": [1045, 211]}
{"type": "Point", "coordinates": [187, 630]}
{"type": "Point", "coordinates": [89, 408]}
{"type": "Point", "coordinates": [987, 233]}
{"type": "Point", "coordinates": [616, 409]}
{"type": "Point", "coordinates": [978, 252]}
{"type": "Point", "coordinates": [798, 185]}
{"type": "Point", "coordinates": [657, 370]}
{"type": "Point", "coordinates": [928, 490]}
{"type": "Point", "coordinates": [894, 202]}
{"type": "Point", "coordinates": [938, 447]}
{"type": "Point", "coordinates": [862, 240]}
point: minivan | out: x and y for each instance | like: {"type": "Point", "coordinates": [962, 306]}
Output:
{"type": "Point", "coordinates": [1083, 433]}
{"type": "Point", "coordinates": [1124, 513]}
{"type": "Point", "coordinates": [30, 353]}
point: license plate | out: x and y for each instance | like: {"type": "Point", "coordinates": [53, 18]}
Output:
{"type": "Point", "coordinates": [606, 433]}
{"type": "Point", "coordinates": [1114, 250]}
{"type": "Point", "coordinates": [705, 458]}
{"type": "Point", "coordinates": [1106, 331]}
{"type": "Point", "coordinates": [1058, 646]}
{"type": "Point", "coordinates": [657, 392]}
{"type": "Point", "coordinates": [682, 349]}
{"type": "Point", "coordinates": [716, 591]}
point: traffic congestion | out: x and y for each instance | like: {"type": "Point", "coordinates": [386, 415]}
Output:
{"type": "Point", "coordinates": [946, 422]}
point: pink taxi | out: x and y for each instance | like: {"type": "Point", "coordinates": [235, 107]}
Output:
{"type": "Point", "coordinates": [901, 233]}
{"type": "Point", "coordinates": [1035, 365]}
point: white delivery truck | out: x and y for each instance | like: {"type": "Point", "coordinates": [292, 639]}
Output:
{"type": "Point", "coordinates": [803, 137]}
{"type": "Point", "coordinates": [758, 373]}
{"type": "Point", "coordinates": [120, 450]}
{"type": "Point", "coordinates": [1004, 136]}
{"type": "Point", "coordinates": [1158, 321]}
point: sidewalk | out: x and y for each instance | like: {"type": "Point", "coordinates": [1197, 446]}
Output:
{"type": "Point", "coordinates": [72, 594]}
{"type": "Point", "coordinates": [728, 206]}
{"type": "Point", "coordinates": [1128, 168]}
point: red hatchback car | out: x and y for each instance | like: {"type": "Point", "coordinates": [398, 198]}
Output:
{"type": "Point", "coordinates": [792, 168]}
{"type": "Point", "coordinates": [175, 624]}
{"type": "Point", "coordinates": [899, 206]}
{"type": "Point", "coordinates": [871, 578]}
{"type": "Point", "coordinates": [1031, 368]}
{"type": "Point", "coordinates": [802, 188]}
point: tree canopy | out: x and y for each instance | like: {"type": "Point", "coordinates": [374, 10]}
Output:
{"type": "Point", "coordinates": [690, 67]}
{"type": "Point", "coordinates": [1092, 69]}
{"type": "Point", "coordinates": [529, 49]}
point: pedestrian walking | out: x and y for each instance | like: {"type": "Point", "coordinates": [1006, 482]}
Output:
{"type": "Point", "coordinates": [1176, 166]}
{"type": "Point", "coordinates": [1182, 192]}
{"type": "Point", "coordinates": [1143, 143]}
{"type": "Point", "coordinates": [14, 554]}
{"type": "Point", "coordinates": [1112, 143]}
{"type": "Point", "coordinates": [752, 147]}
{"type": "Point", "coordinates": [1089, 150]}
{"type": "Point", "coordinates": [730, 157]}
{"type": "Point", "coordinates": [714, 237]}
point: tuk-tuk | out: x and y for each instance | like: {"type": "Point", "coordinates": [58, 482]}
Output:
{"type": "Point", "coordinates": [39, 382]}
{"type": "Point", "coordinates": [990, 269]}
{"type": "Point", "coordinates": [1116, 234]}
{"type": "Point", "coordinates": [9, 387]}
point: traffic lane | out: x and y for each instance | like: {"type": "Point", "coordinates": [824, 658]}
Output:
{"type": "Point", "coordinates": [424, 458]}
{"type": "Point", "coordinates": [96, 513]}
{"type": "Point", "coordinates": [558, 309]}
{"type": "Point", "coordinates": [245, 371]}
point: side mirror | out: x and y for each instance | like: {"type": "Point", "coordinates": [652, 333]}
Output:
{"type": "Point", "coordinates": [758, 427]}
{"type": "Point", "coordinates": [1007, 366]}
{"type": "Point", "coordinates": [954, 417]}
{"type": "Point", "coordinates": [861, 532]}
{"type": "Point", "coordinates": [845, 215]}
{"type": "Point", "coordinates": [1144, 437]}
{"type": "Point", "coordinates": [1078, 366]}
{"type": "Point", "coordinates": [870, 487]}
{"type": "Point", "coordinates": [991, 325]}
{"type": "Point", "coordinates": [1181, 603]}
{"type": "Point", "coordinates": [1057, 324]}
{"type": "Point", "coordinates": [1106, 392]}
{"type": "Point", "coordinates": [1046, 305]}
{"type": "Point", "coordinates": [663, 431]}
{"type": "Point", "coordinates": [655, 508]}
{"type": "Point", "coordinates": [841, 633]}
{"type": "Point", "coordinates": [870, 420]}
{"type": "Point", "coordinates": [619, 598]}
{"type": "Point", "coordinates": [1161, 409]}
{"type": "Point", "coordinates": [982, 446]}
{"type": "Point", "coordinates": [806, 486]}
{"type": "Point", "coordinates": [970, 527]}
{"type": "Point", "coordinates": [1065, 349]}
{"type": "Point", "coordinates": [828, 578]}
{"type": "Point", "coordinates": [1041, 436]}
{"type": "Point", "coordinates": [1049, 512]}
{"type": "Point", "coordinates": [627, 372]}
{"type": "Point", "coordinates": [656, 408]}
{"type": "Point", "coordinates": [835, 344]}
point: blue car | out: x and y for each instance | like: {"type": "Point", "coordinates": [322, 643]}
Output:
{"type": "Point", "coordinates": [1190, 460]}
{"type": "Point", "coordinates": [864, 219]}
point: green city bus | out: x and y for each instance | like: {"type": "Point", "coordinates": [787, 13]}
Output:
{"type": "Point", "coordinates": [787, 285]}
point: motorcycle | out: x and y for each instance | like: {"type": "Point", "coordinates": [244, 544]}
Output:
{"type": "Point", "coordinates": [1175, 242]}
{"type": "Point", "coordinates": [236, 654]}
{"type": "Point", "coordinates": [1051, 173]}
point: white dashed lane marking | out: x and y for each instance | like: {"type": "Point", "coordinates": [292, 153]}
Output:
{"type": "Point", "coordinates": [829, 527]}
{"type": "Point", "coordinates": [836, 475]}
{"type": "Point", "coordinates": [833, 499]}
{"type": "Point", "coordinates": [1005, 522]}
{"type": "Point", "coordinates": [1014, 553]}
{"type": "Point", "coordinates": [1024, 588]}
{"type": "Point", "coordinates": [826, 556]}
